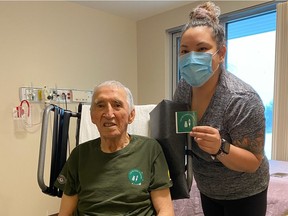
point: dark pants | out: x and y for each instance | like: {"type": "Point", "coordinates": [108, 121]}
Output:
{"type": "Point", "coordinates": [251, 206]}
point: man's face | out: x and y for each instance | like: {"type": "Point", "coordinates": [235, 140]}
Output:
{"type": "Point", "coordinates": [110, 112]}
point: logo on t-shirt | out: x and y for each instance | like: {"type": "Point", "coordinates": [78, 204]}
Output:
{"type": "Point", "coordinates": [61, 179]}
{"type": "Point", "coordinates": [135, 176]}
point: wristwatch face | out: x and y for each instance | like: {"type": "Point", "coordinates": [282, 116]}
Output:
{"type": "Point", "coordinates": [225, 146]}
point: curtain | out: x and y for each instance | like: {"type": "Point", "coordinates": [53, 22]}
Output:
{"type": "Point", "coordinates": [280, 126]}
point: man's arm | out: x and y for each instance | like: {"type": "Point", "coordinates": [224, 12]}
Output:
{"type": "Point", "coordinates": [162, 202]}
{"type": "Point", "coordinates": [68, 205]}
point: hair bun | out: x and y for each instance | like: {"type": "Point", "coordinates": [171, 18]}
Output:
{"type": "Point", "coordinates": [206, 10]}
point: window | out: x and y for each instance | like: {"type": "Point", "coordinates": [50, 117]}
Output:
{"type": "Point", "coordinates": [250, 36]}
{"type": "Point", "coordinates": [175, 54]}
{"type": "Point", "coordinates": [251, 57]}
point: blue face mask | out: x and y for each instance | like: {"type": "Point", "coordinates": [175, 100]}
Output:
{"type": "Point", "coordinates": [196, 67]}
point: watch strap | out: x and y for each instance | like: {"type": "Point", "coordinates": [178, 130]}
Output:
{"type": "Point", "coordinates": [221, 150]}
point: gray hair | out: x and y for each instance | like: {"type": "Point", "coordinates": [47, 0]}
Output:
{"type": "Point", "coordinates": [119, 85]}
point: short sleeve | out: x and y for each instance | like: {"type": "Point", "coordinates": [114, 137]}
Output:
{"type": "Point", "coordinates": [67, 180]}
{"type": "Point", "coordinates": [62, 178]}
{"type": "Point", "coordinates": [160, 172]}
{"type": "Point", "coordinates": [246, 119]}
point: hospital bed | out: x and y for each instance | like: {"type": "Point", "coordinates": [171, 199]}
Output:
{"type": "Point", "coordinates": [86, 130]}
{"type": "Point", "coordinates": [277, 202]}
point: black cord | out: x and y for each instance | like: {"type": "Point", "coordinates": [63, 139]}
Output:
{"type": "Point", "coordinates": [65, 99]}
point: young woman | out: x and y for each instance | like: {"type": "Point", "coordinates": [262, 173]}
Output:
{"type": "Point", "coordinates": [229, 164]}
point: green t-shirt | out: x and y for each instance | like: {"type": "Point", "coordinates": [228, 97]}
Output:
{"type": "Point", "coordinates": [116, 183]}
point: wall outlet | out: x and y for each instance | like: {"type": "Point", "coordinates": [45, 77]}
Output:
{"type": "Point", "coordinates": [81, 96]}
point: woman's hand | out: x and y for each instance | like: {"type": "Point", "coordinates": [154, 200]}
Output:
{"type": "Point", "coordinates": [208, 138]}
{"type": "Point", "coordinates": [238, 159]}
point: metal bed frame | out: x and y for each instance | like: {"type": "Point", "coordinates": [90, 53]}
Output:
{"type": "Point", "coordinates": [60, 139]}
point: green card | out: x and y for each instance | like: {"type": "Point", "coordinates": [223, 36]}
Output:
{"type": "Point", "coordinates": [185, 121]}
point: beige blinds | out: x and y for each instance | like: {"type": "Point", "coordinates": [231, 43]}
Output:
{"type": "Point", "coordinates": [280, 127]}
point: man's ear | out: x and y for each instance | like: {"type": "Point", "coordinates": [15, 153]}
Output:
{"type": "Point", "coordinates": [131, 116]}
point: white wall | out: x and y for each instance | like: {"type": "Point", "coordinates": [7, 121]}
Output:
{"type": "Point", "coordinates": [52, 43]}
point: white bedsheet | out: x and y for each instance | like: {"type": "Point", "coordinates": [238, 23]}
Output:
{"type": "Point", "coordinates": [278, 189]}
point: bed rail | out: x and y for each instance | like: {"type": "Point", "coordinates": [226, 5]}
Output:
{"type": "Point", "coordinates": [59, 146]}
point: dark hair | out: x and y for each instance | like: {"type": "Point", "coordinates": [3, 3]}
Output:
{"type": "Point", "coordinates": [207, 14]}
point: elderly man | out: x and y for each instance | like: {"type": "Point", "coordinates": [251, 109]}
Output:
{"type": "Point", "coordinates": [117, 173]}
